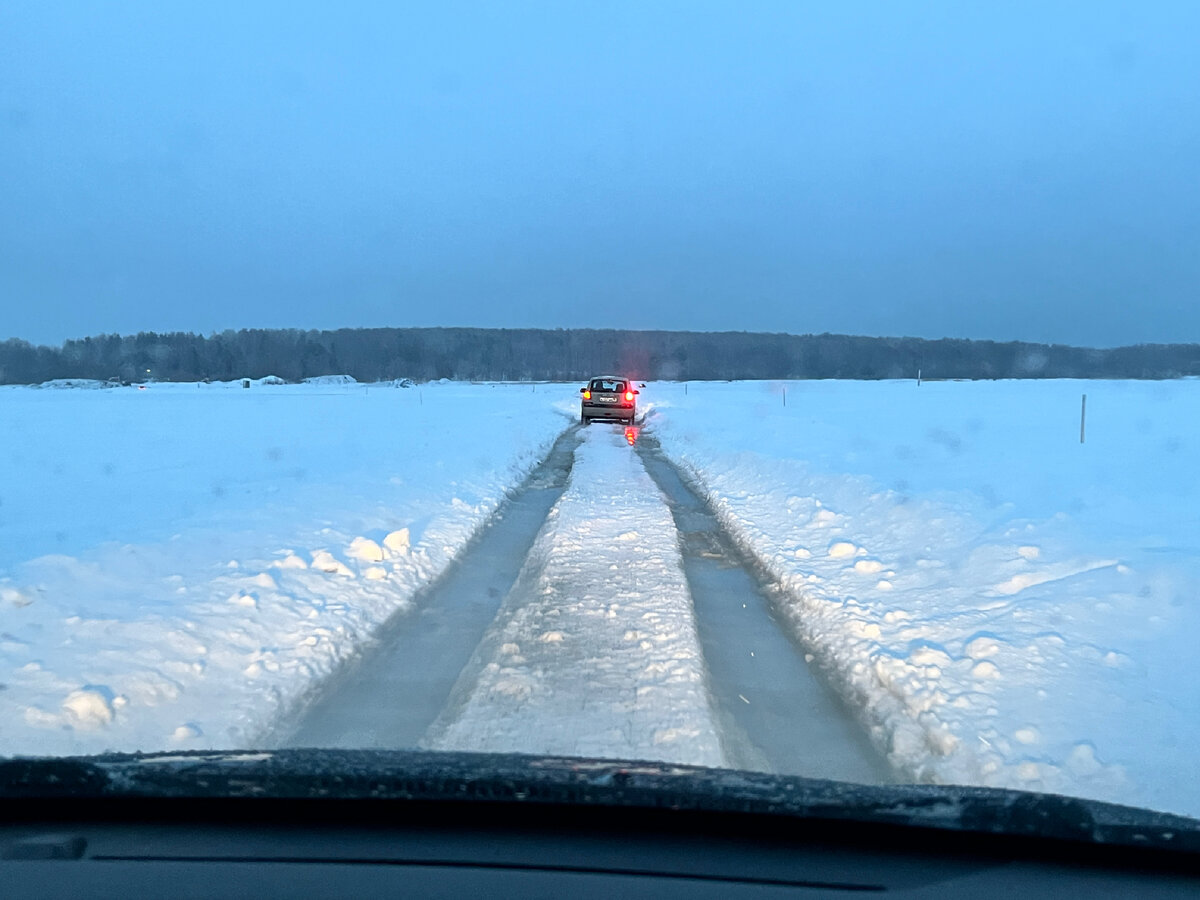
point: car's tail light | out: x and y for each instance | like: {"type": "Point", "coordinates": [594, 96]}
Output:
{"type": "Point", "coordinates": [628, 396]}
{"type": "Point", "coordinates": [587, 395]}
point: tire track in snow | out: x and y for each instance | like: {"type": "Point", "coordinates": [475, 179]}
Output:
{"type": "Point", "coordinates": [776, 714]}
{"type": "Point", "coordinates": [388, 697]}
{"type": "Point", "coordinates": [595, 651]}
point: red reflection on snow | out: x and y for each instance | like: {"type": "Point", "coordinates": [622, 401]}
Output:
{"type": "Point", "coordinates": [631, 435]}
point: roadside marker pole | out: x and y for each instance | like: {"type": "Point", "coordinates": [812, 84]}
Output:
{"type": "Point", "coordinates": [1082, 417]}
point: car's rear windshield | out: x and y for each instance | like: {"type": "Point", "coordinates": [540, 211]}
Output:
{"type": "Point", "coordinates": [601, 384]}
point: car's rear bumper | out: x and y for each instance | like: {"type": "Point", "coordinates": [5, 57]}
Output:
{"type": "Point", "coordinates": [608, 412]}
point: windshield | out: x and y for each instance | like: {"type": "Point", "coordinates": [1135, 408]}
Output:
{"type": "Point", "coordinates": [297, 304]}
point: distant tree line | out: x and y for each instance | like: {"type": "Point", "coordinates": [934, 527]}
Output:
{"type": "Point", "coordinates": [378, 354]}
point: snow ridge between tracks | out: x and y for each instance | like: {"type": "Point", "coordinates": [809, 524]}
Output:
{"type": "Point", "coordinates": [595, 650]}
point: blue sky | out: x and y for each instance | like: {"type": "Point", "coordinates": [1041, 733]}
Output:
{"type": "Point", "coordinates": [930, 169]}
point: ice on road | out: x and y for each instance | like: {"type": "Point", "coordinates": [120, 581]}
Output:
{"type": "Point", "coordinates": [595, 651]}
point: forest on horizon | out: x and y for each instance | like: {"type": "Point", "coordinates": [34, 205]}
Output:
{"type": "Point", "coordinates": [494, 354]}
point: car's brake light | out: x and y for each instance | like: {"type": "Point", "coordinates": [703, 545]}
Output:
{"type": "Point", "coordinates": [587, 395]}
{"type": "Point", "coordinates": [628, 396]}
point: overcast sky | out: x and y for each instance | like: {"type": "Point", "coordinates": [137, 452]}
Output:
{"type": "Point", "coordinates": [1031, 172]}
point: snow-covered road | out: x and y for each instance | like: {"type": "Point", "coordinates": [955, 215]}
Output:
{"type": "Point", "coordinates": [595, 651]}
{"type": "Point", "coordinates": [618, 638]}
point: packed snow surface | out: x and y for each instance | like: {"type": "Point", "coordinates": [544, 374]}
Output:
{"type": "Point", "coordinates": [594, 652]}
{"type": "Point", "coordinates": [1003, 604]}
{"type": "Point", "coordinates": [180, 563]}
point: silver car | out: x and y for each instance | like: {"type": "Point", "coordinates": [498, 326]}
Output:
{"type": "Point", "coordinates": [608, 397]}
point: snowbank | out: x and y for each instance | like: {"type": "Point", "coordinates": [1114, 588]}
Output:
{"type": "Point", "coordinates": [595, 651]}
{"type": "Point", "coordinates": [179, 564]}
{"type": "Point", "coordinates": [331, 379]}
{"type": "Point", "coordinates": [90, 384]}
{"type": "Point", "coordinates": [1004, 605]}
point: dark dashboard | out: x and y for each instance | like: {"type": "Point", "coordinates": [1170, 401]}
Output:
{"type": "Point", "coordinates": [427, 826]}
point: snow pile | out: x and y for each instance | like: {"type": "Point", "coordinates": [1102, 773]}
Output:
{"type": "Point", "coordinates": [1004, 605]}
{"type": "Point", "coordinates": [595, 650]}
{"type": "Point", "coordinates": [178, 565]}
{"type": "Point", "coordinates": [83, 383]}
{"type": "Point", "coordinates": [331, 379]}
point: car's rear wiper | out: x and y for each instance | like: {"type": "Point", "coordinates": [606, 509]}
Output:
{"type": "Point", "coordinates": [565, 781]}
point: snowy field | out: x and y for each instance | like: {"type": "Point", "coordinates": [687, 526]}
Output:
{"type": "Point", "coordinates": [1004, 605]}
{"type": "Point", "coordinates": [1000, 603]}
{"type": "Point", "coordinates": [179, 564]}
